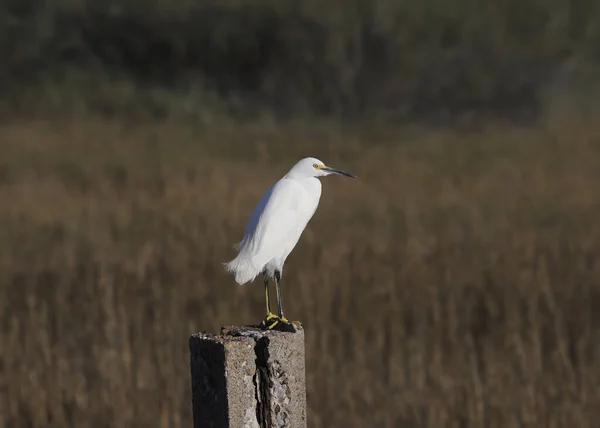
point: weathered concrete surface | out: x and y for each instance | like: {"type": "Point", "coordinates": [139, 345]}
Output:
{"type": "Point", "coordinates": [247, 377]}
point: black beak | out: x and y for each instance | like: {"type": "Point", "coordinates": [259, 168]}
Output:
{"type": "Point", "coordinates": [338, 171]}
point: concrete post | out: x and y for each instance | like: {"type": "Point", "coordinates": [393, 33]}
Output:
{"type": "Point", "coordinates": [247, 377]}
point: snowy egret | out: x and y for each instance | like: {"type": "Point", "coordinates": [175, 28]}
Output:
{"type": "Point", "coordinates": [275, 226]}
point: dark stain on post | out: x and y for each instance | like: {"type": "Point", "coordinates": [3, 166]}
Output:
{"type": "Point", "coordinates": [261, 383]}
{"type": "Point", "coordinates": [209, 389]}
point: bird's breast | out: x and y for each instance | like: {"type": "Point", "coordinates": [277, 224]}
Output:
{"type": "Point", "coordinates": [311, 195]}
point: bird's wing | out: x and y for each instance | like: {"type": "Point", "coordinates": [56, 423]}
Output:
{"type": "Point", "coordinates": [274, 218]}
{"type": "Point", "coordinates": [254, 217]}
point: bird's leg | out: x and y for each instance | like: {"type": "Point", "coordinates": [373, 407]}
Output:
{"type": "Point", "coordinates": [266, 281]}
{"type": "Point", "coordinates": [279, 302]}
{"type": "Point", "coordinates": [271, 319]}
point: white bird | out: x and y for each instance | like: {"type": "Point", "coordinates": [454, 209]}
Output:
{"type": "Point", "coordinates": [275, 226]}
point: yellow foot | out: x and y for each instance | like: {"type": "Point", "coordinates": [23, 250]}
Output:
{"type": "Point", "coordinates": [273, 322]}
{"type": "Point", "coordinates": [270, 321]}
{"type": "Point", "coordinates": [273, 325]}
{"type": "Point", "coordinates": [276, 323]}
{"type": "Point", "coordinates": [283, 325]}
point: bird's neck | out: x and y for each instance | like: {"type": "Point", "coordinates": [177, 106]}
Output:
{"type": "Point", "coordinates": [298, 177]}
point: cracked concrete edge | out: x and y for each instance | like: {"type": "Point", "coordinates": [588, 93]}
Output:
{"type": "Point", "coordinates": [252, 367]}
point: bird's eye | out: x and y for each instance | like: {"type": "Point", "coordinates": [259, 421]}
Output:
{"type": "Point", "coordinates": [315, 165]}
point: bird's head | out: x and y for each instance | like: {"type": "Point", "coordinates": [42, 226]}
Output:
{"type": "Point", "coordinates": [312, 167]}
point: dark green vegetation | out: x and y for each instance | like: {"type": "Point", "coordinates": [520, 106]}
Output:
{"type": "Point", "coordinates": [395, 59]}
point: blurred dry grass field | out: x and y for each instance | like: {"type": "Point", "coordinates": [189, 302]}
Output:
{"type": "Point", "coordinates": [455, 285]}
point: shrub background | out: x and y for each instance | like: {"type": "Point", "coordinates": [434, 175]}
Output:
{"type": "Point", "coordinates": [398, 59]}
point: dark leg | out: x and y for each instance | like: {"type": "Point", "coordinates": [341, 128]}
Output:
{"type": "Point", "coordinates": [266, 281]}
{"type": "Point", "coordinates": [279, 301]}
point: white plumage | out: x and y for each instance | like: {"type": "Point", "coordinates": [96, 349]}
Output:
{"type": "Point", "coordinates": [277, 223]}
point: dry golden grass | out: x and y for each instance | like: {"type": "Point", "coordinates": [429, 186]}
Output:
{"type": "Point", "coordinates": [455, 285]}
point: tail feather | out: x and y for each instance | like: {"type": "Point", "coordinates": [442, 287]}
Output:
{"type": "Point", "coordinates": [243, 269]}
